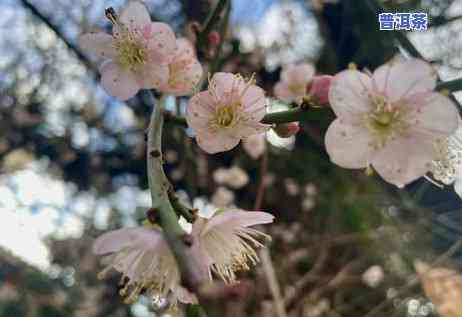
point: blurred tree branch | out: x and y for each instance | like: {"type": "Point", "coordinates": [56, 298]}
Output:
{"type": "Point", "coordinates": [74, 48]}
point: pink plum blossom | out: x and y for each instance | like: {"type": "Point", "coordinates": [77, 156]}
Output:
{"type": "Point", "coordinates": [223, 243]}
{"type": "Point", "coordinates": [230, 110]}
{"type": "Point", "coordinates": [295, 79]}
{"type": "Point", "coordinates": [185, 71]}
{"type": "Point", "coordinates": [136, 54]}
{"type": "Point", "coordinates": [389, 120]}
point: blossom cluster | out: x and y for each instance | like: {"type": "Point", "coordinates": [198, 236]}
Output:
{"type": "Point", "coordinates": [141, 54]}
{"type": "Point", "coordinates": [222, 244]}
{"type": "Point", "coordinates": [390, 121]}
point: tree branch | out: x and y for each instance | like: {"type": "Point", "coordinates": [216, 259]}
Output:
{"type": "Point", "coordinates": [192, 277]}
{"type": "Point", "coordinates": [74, 48]}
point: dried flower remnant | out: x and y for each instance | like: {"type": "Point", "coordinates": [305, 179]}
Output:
{"type": "Point", "coordinates": [229, 111]}
{"type": "Point", "coordinates": [136, 54]}
{"type": "Point", "coordinates": [389, 120]}
{"type": "Point", "coordinates": [443, 287]}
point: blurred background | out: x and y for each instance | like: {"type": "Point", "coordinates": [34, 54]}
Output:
{"type": "Point", "coordinates": [72, 163]}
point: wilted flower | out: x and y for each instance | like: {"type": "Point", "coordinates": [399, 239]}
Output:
{"type": "Point", "coordinates": [136, 54]}
{"type": "Point", "coordinates": [389, 120]}
{"type": "Point", "coordinates": [255, 145]}
{"type": "Point", "coordinates": [230, 110]}
{"type": "Point", "coordinates": [294, 81]}
{"type": "Point", "coordinates": [185, 71]}
{"type": "Point", "coordinates": [235, 177]}
{"type": "Point", "coordinates": [443, 287]}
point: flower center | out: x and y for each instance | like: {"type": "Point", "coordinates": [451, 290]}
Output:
{"type": "Point", "coordinates": [297, 89]}
{"type": "Point", "coordinates": [385, 121]}
{"type": "Point", "coordinates": [130, 52]}
{"type": "Point", "coordinates": [225, 117]}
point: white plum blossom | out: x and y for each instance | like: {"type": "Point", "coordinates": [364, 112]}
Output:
{"type": "Point", "coordinates": [389, 120]}
{"type": "Point", "coordinates": [185, 71]}
{"type": "Point", "coordinates": [229, 111]}
{"type": "Point", "coordinates": [227, 241]}
{"type": "Point", "coordinates": [447, 164]}
{"type": "Point", "coordinates": [224, 243]}
{"type": "Point", "coordinates": [136, 54]}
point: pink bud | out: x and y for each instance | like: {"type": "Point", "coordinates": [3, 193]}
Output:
{"type": "Point", "coordinates": [320, 88]}
{"type": "Point", "coordinates": [286, 130]}
{"type": "Point", "coordinates": [213, 38]}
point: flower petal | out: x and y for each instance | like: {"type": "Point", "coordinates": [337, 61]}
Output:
{"type": "Point", "coordinates": [437, 117]}
{"type": "Point", "coordinates": [254, 102]}
{"type": "Point", "coordinates": [402, 79]}
{"type": "Point", "coordinates": [135, 15]}
{"type": "Point", "coordinates": [348, 145]}
{"type": "Point", "coordinates": [118, 82]}
{"type": "Point", "coordinates": [162, 42]}
{"type": "Point", "coordinates": [222, 83]}
{"type": "Point", "coordinates": [152, 75]}
{"type": "Point", "coordinates": [217, 142]}
{"type": "Point", "coordinates": [404, 160]}
{"type": "Point", "coordinates": [349, 94]}
{"type": "Point", "coordinates": [99, 43]}
{"type": "Point", "coordinates": [116, 240]}
{"type": "Point", "coordinates": [235, 218]}
{"type": "Point", "coordinates": [200, 111]}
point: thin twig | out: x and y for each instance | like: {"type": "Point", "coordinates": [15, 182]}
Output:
{"type": "Point", "coordinates": [415, 279]}
{"type": "Point", "coordinates": [264, 253]}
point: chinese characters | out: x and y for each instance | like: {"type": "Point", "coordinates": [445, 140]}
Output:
{"type": "Point", "coordinates": [403, 21]}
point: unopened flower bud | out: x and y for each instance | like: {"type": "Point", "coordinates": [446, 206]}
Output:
{"type": "Point", "coordinates": [213, 38]}
{"type": "Point", "coordinates": [319, 88]}
{"type": "Point", "coordinates": [286, 130]}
